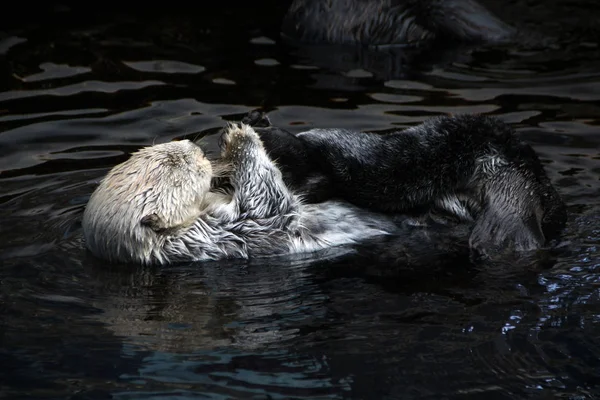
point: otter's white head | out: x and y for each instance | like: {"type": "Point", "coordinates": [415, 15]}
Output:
{"type": "Point", "coordinates": [140, 203]}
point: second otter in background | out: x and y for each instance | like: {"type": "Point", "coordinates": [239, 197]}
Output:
{"type": "Point", "coordinates": [392, 22]}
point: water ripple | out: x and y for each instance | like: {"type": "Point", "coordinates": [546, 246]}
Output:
{"type": "Point", "coordinates": [77, 88]}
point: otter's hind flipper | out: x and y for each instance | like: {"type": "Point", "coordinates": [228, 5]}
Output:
{"type": "Point", "coordinates": [520, 204]}
{"type": "Point", "coordinates": [520, 207]}
{"type": "Point", "coordinates": [554, 209]}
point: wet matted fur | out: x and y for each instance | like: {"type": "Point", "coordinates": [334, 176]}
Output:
{"type": "Point", "coordinates": [470, 166]}
{"type": "Point", "coordinates": [392, 22]}
{"type": "Point", "coordinates": [158, 207]}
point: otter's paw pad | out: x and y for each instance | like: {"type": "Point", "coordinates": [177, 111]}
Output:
{"type": "Point", "coordinates": [239, 139]}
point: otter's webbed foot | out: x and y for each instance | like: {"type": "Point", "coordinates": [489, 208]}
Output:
{"type": "Point", "coordinates": [511, 214]}
{"type": "Point", "coordinates": [259, 189]}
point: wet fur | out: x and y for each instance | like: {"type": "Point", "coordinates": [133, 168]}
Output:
{"type": "Point", "coordinates": [391, 22]}
{"type": "Point", "coordinates": [158, 208]}
{"type": "Point", "coordinates": [471, 167]}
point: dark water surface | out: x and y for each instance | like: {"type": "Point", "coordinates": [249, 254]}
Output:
{"type": "Point", "coordinates": [80, 90]}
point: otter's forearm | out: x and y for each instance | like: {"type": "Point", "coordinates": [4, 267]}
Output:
{"type": "Point", "coordinates": [259, 190]}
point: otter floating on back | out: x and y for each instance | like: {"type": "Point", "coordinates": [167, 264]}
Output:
{"type": "Point", "coordinates": [157, 208]}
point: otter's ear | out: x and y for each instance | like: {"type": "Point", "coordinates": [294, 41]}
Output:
{"type": "Point", "coordinates": [154, 222]}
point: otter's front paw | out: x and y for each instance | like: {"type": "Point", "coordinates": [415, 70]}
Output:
{"type": "Point", "coordinates": [160, 226]}
{"type": "Point", "coordinates": [240, 141]}
{"type": "Point", "coordinates": [256, 119]}
{"type": "Point", "coordinates": [154, 222]}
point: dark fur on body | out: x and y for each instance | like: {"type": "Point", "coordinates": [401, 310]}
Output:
{"type": "Point", "coordinates": [389, 22]}
{"type": "Point", "coordinates": [470, 166]}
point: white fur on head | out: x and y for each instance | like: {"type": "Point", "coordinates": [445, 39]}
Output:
{"type": "Point", "coordinates": [169, 180]}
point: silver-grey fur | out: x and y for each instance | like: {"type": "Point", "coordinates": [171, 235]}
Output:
{"type": "Point", "coordinates": [157, 208]}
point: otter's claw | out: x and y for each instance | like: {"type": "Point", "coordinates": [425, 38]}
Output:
{"type": "Point", "coordinates": [256, 119]}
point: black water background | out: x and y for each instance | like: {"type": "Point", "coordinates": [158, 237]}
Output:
{"type": "Point", "coordinates": [83, 86]}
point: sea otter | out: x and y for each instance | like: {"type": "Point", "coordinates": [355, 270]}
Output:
{"type": "Point", "coordinates": [391, 39]}
{"type": "Point", "coordinates": [470, 166]}
{"type": "Point", "coordinates": [158, 207]}
{"type": "Point", "coordinates": [391, 22]}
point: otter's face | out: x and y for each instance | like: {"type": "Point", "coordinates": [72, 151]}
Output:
{"type": "Point", "coordinates": [141, 202]}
